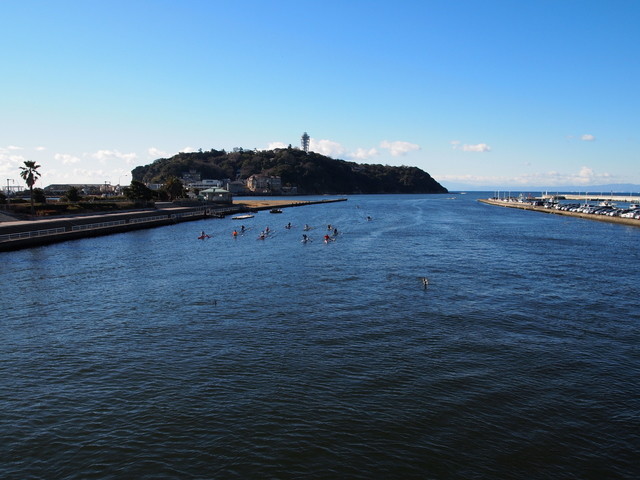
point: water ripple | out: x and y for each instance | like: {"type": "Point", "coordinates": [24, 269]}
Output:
{"type": "Point", "coordinates": [146, 355]}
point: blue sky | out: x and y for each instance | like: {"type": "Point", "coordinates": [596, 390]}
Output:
{"type": "Point", "coordinates": [476, 93]}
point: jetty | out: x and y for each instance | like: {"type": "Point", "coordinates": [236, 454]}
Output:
{"type": "Point", "coordinates": [19, 234]}
{"type": "Point", "coordinates": [529, 204]}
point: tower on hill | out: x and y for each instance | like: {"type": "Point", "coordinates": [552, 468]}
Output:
{"type": "Point", "coordinates": [305, 142]}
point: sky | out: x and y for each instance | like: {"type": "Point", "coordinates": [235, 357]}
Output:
{"type": "Point", "coordinates": [479, 94]}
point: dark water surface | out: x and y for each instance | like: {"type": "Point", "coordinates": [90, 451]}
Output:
{"type": "Point", "coordinates": [154, 355]}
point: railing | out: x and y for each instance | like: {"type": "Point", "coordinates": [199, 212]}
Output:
{"type": "Point", "coordinates": [180, 215]}
{"type": "Point", "coordinates": [148, 219]}
{"type": "Point", "coordinates": [37, 233]}
{"type": "Point", "coordinates": [90, 226]}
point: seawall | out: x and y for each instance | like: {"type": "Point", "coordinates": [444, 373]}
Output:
{"type": "Point", "coordinates": [589, 216]}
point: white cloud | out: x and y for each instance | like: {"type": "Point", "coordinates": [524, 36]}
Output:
{"type": "Point", "coordinates": [478, 147]}
{"type": "Point", "coordinates": [363, 154]}
{"type": "Point", "coordinates": [587, 137]}
{"type": "Point", "coordinates": [104, 155]}
{"type": "Point", "coordinates": [274, 145]}
{"type": "Point", "coordinates": [98, 176]}
{"type": "Point", "coordinates": [398, 148]}
{"type": "Point", "coordinates": [187, 150]}
{"type": "Point", "coordinates": [13, 147]}
{"type": "Point", "coordinates": [9, 164]}
{"type": "Point", "coordinates": [66, 158]}
{"type": "Point", "coordinates": [326, 147]}
{"type": "Point", "coordinates": [156, 152]}
{"type": "Point", "coordinates": [584, 177]}
{"type": "Point", "coordinates": [41, 149]}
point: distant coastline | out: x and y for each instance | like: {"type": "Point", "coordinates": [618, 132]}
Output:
{"type": "Point", "coordinates": [619, 188]}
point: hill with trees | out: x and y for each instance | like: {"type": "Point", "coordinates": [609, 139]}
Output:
{"type": "Point", "coordinates": [310, 173]}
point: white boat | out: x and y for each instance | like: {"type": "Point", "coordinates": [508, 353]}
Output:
{"type": "Point", "coordinates": [241, 217]}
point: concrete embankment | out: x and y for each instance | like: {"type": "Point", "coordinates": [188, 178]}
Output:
{"type": "Point", "coordinates": [15, 235]}
{"type": "Point", "coordinates": [589, 216]}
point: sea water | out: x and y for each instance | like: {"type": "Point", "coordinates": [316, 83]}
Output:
{"type": "Point", "coordinates": [152, 354]}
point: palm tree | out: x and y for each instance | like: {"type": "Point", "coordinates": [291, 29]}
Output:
{"type": "Point", "coordinates": [30, 174]}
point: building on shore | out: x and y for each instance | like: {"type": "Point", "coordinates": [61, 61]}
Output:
{"type": "Point", "coordinates": [237, 187]}
{"type": "Point", "coordinates": [264, 184]}
{"type": "Point", "coordinates": [59, 189]}
{"type": "Point", "coordinates": [217, 195]}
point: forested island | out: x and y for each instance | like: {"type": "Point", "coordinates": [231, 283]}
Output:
{"type": "Point", "coordinates": [307, 172]}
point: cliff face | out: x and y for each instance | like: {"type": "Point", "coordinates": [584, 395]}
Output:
{"type": "Point", "coordinates": [311, 173]}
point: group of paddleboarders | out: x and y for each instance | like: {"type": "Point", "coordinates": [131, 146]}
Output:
{"type": "Point", "coordinates": [330, 236]}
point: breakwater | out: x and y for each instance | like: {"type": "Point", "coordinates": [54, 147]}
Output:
{"type": "Point", "coordinates": [32, 233]}
{"type": "Point", "coordinates": [526, 206]}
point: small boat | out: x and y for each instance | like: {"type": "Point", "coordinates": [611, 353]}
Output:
{"type": "Point", "coordinates": [275, 210]}
{"type": "Point", "coordinates": [241, 217]}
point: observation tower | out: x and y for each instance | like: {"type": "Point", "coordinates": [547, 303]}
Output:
{"type": "Point", "coordinates": [305, 142]}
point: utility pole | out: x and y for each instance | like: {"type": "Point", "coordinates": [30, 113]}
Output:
{"type": "Point", "coordinates": [9, 190]}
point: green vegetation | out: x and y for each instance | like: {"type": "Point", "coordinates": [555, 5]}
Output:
{"type": "Point", "coordinates": [39, 196]}
{"type": "Point", "coordinates": [22, 209]}
{"type": "Point", "coordinates": [72, 195]}
{"type": "Point", "coordinates": [174, 188]}
{"type": "Point", "coordinates": [138, 191]}
{"type": "Point", "coordinates": [311, 173]}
